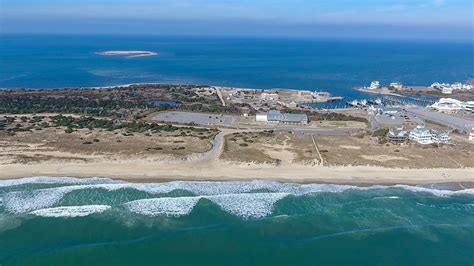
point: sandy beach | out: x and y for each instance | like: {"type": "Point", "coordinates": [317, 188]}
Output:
{"type": "Point", "coordinates": [153, 171]}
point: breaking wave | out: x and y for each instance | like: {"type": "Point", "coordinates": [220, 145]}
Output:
{"type": "Point", "coordinates": [246, 205]}
{"type": "Point", "coordinates": [254, 199]}
{"type": "Point", "coordinates": [178, 206]}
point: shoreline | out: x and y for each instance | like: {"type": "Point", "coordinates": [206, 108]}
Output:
{"type": "Point", "coordinates": [146, 171]}
{"type": "Point", "coordinates": [449, 186]}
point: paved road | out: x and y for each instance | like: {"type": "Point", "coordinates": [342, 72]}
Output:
{"type": "Point", "coordinates": [218, 146]}
{"type": "Point", "coordinates": [216, 150]}
{"type": "Point", "coordinates": [462, 124]}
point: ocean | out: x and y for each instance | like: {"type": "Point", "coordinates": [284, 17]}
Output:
{"type": "Point", "coordinates": [56, 61]}
{"type": "Point", "coordinates": [99, 221]}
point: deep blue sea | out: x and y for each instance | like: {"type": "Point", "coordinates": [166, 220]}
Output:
{"type": "Point", "coordinates": [54, 61]}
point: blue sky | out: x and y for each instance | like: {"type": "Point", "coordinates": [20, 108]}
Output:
{"type": "Point", "coordinates": [400, 18]}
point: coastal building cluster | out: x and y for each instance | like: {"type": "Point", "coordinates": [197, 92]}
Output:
{"type": "Point", "coordinates": [420, 135]}
{"type": "Point", "coordinates": [375, 85]}
{"type": "Point", "coordinates": [447, 88]}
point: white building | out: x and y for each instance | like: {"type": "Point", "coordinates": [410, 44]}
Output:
{"type": "Point", "coordinates": [448, 105]}
{"type": "Point", "coordinates": [275, 116]}
{"type": "Point", "coordinates": [440, 137]}
{"type": "Point", "coordinates": [269, 96]}
{"type": "Point", "coordinates": [397, 135]}
{"type": "Point", "coordinates": [471, 135]}
{"type": "Point", "coordinates": [321, 96]}
{"type": "Point", "coordinates": [421, 135]}
{"type": "Point", "coordinates": [447, 90]}
{"type": "Point", "coordinates": [374, 85]}
{"type": "Point", "coordinates": [262, 117]}
{"type": "Point", "coordinates": [396, 85]}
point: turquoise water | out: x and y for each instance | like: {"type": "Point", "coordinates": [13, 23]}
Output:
{"type": "Point", "coordinates": [67, 221]}
{"type": "Point", "coordinates": [53, 61]}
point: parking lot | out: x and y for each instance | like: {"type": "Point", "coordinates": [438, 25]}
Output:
{"type": "Point", "coordinates": [463, 124]}
{"type": "Point", "coordinates": [196, 118]}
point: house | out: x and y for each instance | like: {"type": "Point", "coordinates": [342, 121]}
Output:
{"type": "Point", "coordinates": [439, 137]}
{"type": "Point", "coordinates": [421, 135]}
{"type": "Point", "coordinates": [396, 85]}
{"type": "Point", "coordinates": [275, 116]}
{"type": "Point", "coordinates": [397, 135]}
{"type": "Point", "coordinates": [447, 90]}
{"type": "Point", "coordinates": [374, 85]}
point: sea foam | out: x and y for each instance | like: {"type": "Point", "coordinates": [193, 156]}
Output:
{"type": "Point", "coordinates": [55, 180]}
{"type": "Point", "coordinates": [178, 206]}
{"type": "Point", "coordinates": [255, 205]}
{"type": "Point", "coordinates": [242, 198]}
{"type": "Point", "coordinates": [71, 211]}
{"type": "Point", "coordinates": [246, 205]}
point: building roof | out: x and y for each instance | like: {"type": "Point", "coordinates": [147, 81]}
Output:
{"type": "Point", "coordinates": [397, 132]}
{"type": "Point", "coordinates": [420, 131]}
{"type": "Point", "coordinates": [275, 115]}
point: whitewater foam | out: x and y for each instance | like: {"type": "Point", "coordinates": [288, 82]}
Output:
{"type": "Point", "coordinates": [55, 180]}
{"type": "Point", "coordinates": [71, 211]}
{"type": "Point", "coordinates": [246, 205]}
{"type": "Point", "coordinates": [255, 205]}
{"type": "Point", "coordinates": [24, 201]}
{"type": "Point", "coordinates": [176, 207]}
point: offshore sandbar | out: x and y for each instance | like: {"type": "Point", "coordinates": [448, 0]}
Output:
{"type": "Point", "coordinates": [127, 53]}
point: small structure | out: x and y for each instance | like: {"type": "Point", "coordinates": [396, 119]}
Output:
{"type": "Point", "coordinates": [321, 96]}
{"type": "Point", "coordinates": [374, 85]}
{"type": "Point", "coordinates": [421, 135]}
{"type": "Point", "coordinates": [397, 135]}
{"type": "Point", "coordinates": [269, 96]}
{"type": "Point", "coordinates": [390, 110]}
{"type": "Point", "coordinates": [439, 137]}
{"type": "Point", "coordinates": [447, 90]}
{"type": "Point", "coordinates": [471, 135]}
{"type": "Point", "coordinates": [261, 117]}
{"type": "Point", "coordinates": [275, 116]}
{"type": "Point", "coordinates": [396, 85]}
